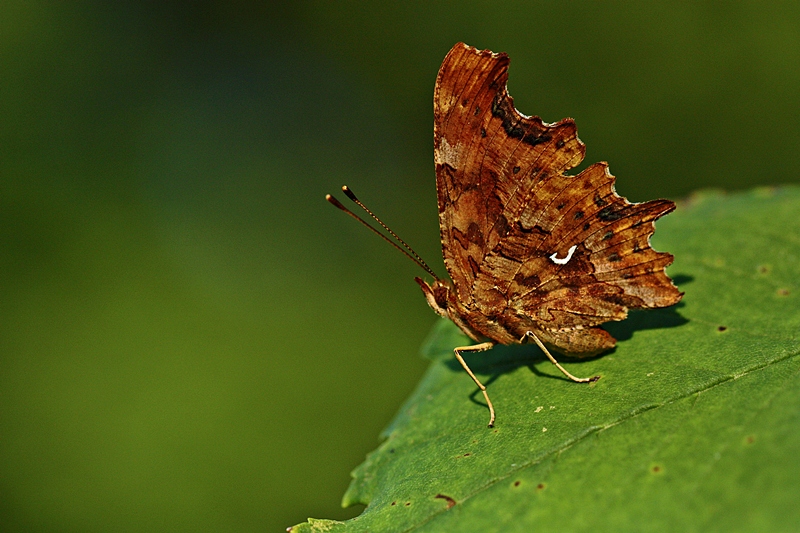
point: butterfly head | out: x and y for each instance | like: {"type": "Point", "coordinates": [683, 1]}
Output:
{"type": "Point", "coordinates": [437, 294]}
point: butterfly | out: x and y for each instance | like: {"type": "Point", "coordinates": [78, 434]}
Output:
{"type": "Point", "coordinates": [534, 254]}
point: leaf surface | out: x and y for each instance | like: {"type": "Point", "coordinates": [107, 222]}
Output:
{"type": "Point", "coordinates": [693, 426]}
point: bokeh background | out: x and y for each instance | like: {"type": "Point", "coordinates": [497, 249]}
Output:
{"type": "Point", "coordinates": [191, 339]}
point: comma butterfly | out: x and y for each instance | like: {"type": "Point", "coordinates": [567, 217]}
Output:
{"type": "Point", "coordinates": [534, 254]}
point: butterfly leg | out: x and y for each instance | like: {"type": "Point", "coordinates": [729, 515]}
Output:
{"type": "Point", "coordinates": [482, 347]}
{"type": "Point", "coordinates": [531, 335]}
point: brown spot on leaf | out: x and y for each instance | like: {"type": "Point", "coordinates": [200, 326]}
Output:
{"type": "Point", "coordinates": [750, 439]}
{"type": "Point", "coordinates": [515, 170]}
{"type": "Point", "coordinates": [450, 501]}
{"type": "Point", "coordinates": [578, 215]}
{"type": "Point", "coordinates": [656, 469]}
{"type": "Point", "coordinates": [540, 486]}
{"type": "Point", "coordinates": [516, 483]}
{"type": "Point", "coordinates": [783, 292]}
{"type": "Point", "coordinates": [722, 328]}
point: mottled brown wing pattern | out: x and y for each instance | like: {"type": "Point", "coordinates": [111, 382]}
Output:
{"type": "Point", "coordinates": [487, 158]}
{"type": "Point", "coordinates": [611, 269]}
{"type": "Point", "coordinates": [525, 244]}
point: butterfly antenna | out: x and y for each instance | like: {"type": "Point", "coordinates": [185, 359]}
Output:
{"type": "Point", "coordinates": [408, 252]}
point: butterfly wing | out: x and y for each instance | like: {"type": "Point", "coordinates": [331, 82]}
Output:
{"type": "Point", "coordinates": [487, 158]}
{"type": "Point", "coordinates": [524, 243]}
{"type": "Point", "coordinates": [611, 268]}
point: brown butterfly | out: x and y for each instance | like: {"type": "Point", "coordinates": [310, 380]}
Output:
{"type": "Point", "coordinates": [533, 253]}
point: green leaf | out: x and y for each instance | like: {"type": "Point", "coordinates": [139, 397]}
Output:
{"type": "Point", "coordinates": [693, 426]}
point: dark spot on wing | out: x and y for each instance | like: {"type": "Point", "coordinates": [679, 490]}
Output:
{"type": "Point", "coordinates": [502, 226]}
{"type": "Point", "coordinates": [536, 228]}
{"type": "Point", "coordinates": [473, 266]}
{"type": "Point", "coordinates": [460, 237]}
{"type": "Point", "coordinates": [475, 235]}
{"type": "Point", "coordinates": [526, 281]}
{"type": "Point", "coordinates": [610, 213]}
{"type": "Point", "coordinates": [515, 128]}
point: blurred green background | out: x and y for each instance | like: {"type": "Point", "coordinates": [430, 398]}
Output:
{"type": "Point", "coordinates": [191, 339]}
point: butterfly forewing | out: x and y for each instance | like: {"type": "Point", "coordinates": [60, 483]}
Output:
{"type": "Point", "coordinates": [488, 158]}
